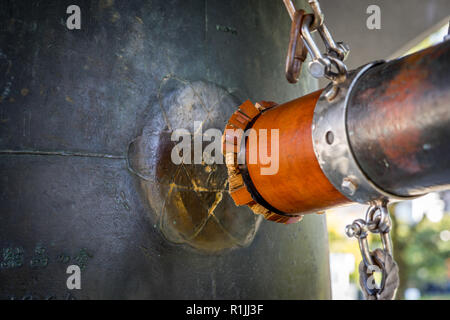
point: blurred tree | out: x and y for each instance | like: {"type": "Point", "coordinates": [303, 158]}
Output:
{"type": "Point", "coordinates": [420, 252]}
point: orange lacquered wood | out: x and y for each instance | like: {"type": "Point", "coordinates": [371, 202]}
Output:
{"type": "Point", "coordinates": [300, 186]}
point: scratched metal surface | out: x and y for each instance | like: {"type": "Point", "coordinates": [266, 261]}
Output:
{"type": "Point", "coordinates": [190, 202]}
{"type": "Point", "coordinates": [399, 122]}
{"type": "Point", "coordinates": [71, 104]}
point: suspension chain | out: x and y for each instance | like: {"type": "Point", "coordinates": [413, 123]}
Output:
{"type": "Point", "coordinates": [329, 65]}
{"type": "Point", "coordinates": [380, 260]}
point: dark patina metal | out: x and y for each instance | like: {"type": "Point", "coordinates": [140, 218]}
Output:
{"type": "Point", "coordinates": [398, 123]}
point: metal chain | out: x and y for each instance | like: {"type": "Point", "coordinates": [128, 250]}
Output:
{"type": "Point", "coordinates": [329, 65]}
{"type": "Point", "coordinates": [380, 260]}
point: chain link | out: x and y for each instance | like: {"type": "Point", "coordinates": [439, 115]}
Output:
{"type": "Point", "coordinates": [377, 221]}
{"type": "Point", "coordinates": [329, 65]}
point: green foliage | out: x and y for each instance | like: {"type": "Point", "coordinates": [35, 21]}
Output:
{"type": "Point", "coordinates": [424, 253]}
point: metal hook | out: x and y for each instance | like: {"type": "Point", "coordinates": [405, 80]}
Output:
{"type": "Point", "coordinates": [297, 51]}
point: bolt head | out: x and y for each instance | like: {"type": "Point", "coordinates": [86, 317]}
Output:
{"type": "Point", "coordinates": [350, 231]}
{"type": "Point", "coordinates": [349, 186]}
{"type": "Point", "coordinates": [317, 68]}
